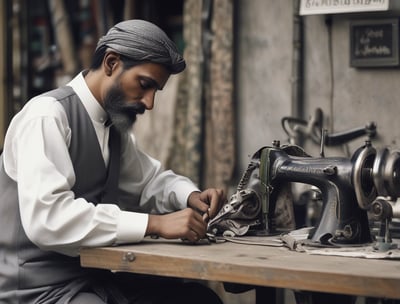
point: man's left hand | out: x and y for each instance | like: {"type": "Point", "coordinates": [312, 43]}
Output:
{"type": "Point", "coordinates": [208, 202]}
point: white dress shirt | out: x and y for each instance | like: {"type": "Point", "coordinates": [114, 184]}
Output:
{"type": "Point", "coordinates": [36, 156]}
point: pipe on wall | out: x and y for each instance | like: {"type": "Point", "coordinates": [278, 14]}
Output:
{"type": "Point", "coordinates": [297, 104]}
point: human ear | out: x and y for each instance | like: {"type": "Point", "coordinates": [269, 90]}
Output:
{"type": "Point", "coordinates": [110, 63]}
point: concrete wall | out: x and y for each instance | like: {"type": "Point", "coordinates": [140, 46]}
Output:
{"type": "Point", "coordinates": [349, 97]}
{"type": "Point", "coordinates": [263, 68]}
{"type": "Point", "coordinates": [359, 94]}
{"type": "Point", "coordinates": [2, 74]}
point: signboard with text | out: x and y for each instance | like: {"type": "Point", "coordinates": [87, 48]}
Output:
{"type": "Point", "coordinates": [314, 7]}
{"type": "Point", "coordinates": [374, 43]}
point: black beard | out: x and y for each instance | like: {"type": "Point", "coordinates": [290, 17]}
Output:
{"type": "Point", "coordinates": [122, 114]}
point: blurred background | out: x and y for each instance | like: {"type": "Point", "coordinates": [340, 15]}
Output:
{"type": "Point", "coordinates": [250, 64]}
{"type": "Point", "coordinates": [257, 71]}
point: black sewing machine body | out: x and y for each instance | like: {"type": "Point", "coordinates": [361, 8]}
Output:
{"type": "Point", "coordinates": [350, 188]}
{"type": "Point", "coordinates": [342, 220]}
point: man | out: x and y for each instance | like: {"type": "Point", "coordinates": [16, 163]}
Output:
{"type": "Point", "coordinates": [71, 176]}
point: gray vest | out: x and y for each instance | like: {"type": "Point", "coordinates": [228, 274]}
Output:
{"type": "Point", "coordinates": [27, 273]}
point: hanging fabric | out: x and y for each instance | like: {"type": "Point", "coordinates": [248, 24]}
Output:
{"type": "Point", "coordinates": [186, 149]}
{"type": "Point", "coordinates": [203, 142]}
{"type": "Point", "coordinates": [219, 115]}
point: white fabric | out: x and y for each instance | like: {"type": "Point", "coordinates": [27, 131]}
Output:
{"type": "Point", "coordinates": [298, 240]}
{"type": "Point", "coordinates": [36, 157]}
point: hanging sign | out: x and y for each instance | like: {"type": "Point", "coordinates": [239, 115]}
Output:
{"type": "Point", "coordinates": [314, 7]}
{"type": "Point", "coordinates": [374, 43]}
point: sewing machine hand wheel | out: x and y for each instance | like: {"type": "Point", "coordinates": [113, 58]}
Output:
{"type": "Point", "coordinates": [375, 173]}
{"type": "Point", "coordinates": [386, 173]}
{"type": "Point", "coordinates": [362, 175]}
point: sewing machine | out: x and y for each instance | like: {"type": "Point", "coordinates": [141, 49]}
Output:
{"type": "Point", "coordinates": [352, 190]}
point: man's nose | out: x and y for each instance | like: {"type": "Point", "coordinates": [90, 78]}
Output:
{"type": "Point", "coordinates": [148, 100]}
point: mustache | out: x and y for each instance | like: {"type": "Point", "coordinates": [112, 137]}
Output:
{"type": "Point", "coordinates": [117, 103]}
{"type": "Point", "coordinates": [132, 109]}
{"type": "Point", "coordinates": [122, 113]}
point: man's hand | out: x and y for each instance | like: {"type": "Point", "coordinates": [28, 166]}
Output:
{"type": "Point", "coordinates": [189, 223]}
{"type": "Point", "coordinates": [184, 224]}
{"type": "Point", "coordinates": [208, 202]}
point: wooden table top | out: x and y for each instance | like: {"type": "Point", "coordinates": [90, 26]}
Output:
{"type": "Point", "coordinates": [251, 264]}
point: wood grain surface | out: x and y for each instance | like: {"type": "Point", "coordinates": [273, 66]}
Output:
{"type": "Point", "coordinates": [251, 264]}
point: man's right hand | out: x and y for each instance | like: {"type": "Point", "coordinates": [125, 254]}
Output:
{"type": "Point", "coordinates": [184, 224]}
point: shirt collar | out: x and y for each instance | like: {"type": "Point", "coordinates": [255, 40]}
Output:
{"type": "Point", "coordinates": [92, 106]}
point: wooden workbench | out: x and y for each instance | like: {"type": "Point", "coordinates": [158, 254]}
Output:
{"type": "Point", "coordinates": [252, 264]}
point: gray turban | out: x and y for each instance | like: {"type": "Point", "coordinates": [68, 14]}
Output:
{"type": "Point", "coordinates": [143, 41]}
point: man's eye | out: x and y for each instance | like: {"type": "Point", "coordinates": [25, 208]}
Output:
{"type": "Point", "coordinates": [145, 84]}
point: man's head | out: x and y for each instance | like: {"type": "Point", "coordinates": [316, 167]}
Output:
{"type": "Point", "coordinates": [132, 92]}
{"type": "Point", "coordinates": [137, 59]}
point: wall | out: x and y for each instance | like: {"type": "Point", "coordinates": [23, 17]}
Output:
{"type": "Point", "coordinates": [2, 74]}
{"type": "Point", "coordinates": [263, 68]}
{"type": "Point", "coordinates": [349, 98]}
{"type": "Point", "coordinates": [360, 95]}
